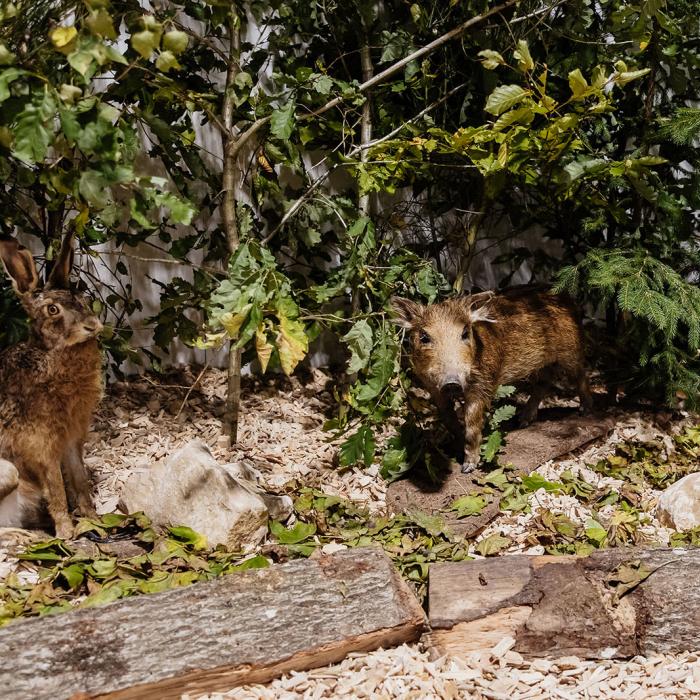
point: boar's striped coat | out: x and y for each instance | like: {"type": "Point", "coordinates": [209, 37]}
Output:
{"type": "Point", "coordinates": [468, 346]}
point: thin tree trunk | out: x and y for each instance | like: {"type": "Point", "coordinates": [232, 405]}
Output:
{"type": "Point", "coordinates": [230, 222]}
{"type": "Point", "coordinates": [366, 122]}
{"type": "Point", "coordinates": [363, 202]}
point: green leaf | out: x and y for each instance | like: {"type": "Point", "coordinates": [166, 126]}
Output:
{"type": "Point", "coordinates": [622, 78]}
{"type": "Point", "coordinates": [493, 545]}
{"type": "Point", "coordinates": [493, 444]}
{"type": "Point", "coordinates": [595, 532]}
{"type": "Point", "coordinates": [145, 43]}
{"type": "Point", "coordinates": [299, 532]}
{"type": "Point", "coordinates": [469, 505]}
{"type": "Point", "coordinates": [74, 575]}
{"type": "Point", "coordinates": [523, 57]}
{"type": "Point", "coordinates": [578, 84]}
{"type": "Point", "coordinates": [61, 37]}
{"type": "Point", "coordinates": [32, 134]}
{"type": "Point", "coordinates": [100, 23]}
{"type": "Point", "coordinates": [504, 97]}
{"type": "Point", "coordinates": [93, 188]}
{"type": "Point", "coordinates": [359, 340]}
{"type": "Point", "coordinates": [175, 41]}
{"type": "Point", "coordinates": [283, 120]}
{"type": "Point", "coordinates": [491, 59]}
{"type": "Point", "coordinates": [7, 58]}
{"type": "Point", "coordinates": [359, 447]}
{"type": "Point", "coordinates": [292, 343]}
{"type": "Point", "coordinates": [501, 415]}
{"type": "Point", "coordinates": [256, 562]}
{"type": "Point", "coordinates": [534, 482]}
{"type": "Point", "coordinates": [166, 61]}
{"type": "Point", "coordinates": [189, 536]}
{"type": "Point", "coordinates": [504, 391]}
{"type": "Point", "coordinates": [6, 77]}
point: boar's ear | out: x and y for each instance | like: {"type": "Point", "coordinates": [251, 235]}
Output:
{"type": "Point", "coordinates": [406, 312]}
{"type": "Point", "coordinates": [480, 307]}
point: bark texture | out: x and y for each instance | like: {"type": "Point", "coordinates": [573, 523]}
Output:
{"type": "Point", "coordinates": [562, 606]}
{"type": "Point", "coordinates": [242, 628]}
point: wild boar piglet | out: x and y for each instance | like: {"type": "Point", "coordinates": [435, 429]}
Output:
{"type": "Point", "coordinates": [467, 346]}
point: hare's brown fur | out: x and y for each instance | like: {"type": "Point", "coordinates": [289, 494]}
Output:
{"type": "Point", "coordinates": [49, 388]}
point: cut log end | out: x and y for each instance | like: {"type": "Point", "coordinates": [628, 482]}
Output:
{"type": "Point", "coordinates": [569, 606]}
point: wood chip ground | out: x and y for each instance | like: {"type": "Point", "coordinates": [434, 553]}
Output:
{"type": "Point", "coordinates": [281, 434]}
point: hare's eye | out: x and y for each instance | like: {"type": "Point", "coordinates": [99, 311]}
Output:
{"type": "Point", "coordinates": [465, 333]}
{"type": "Point", "coordinates": [424, 337]}
{"type": "Point", "coordinates": [53, 310]}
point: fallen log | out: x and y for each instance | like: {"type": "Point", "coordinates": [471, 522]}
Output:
{"type": "Point", "coordinates": [242, 628]}
{"type": "Point", "coordinates": [526, 449]}
{"type": "Point", "coordinates": [615, 603]}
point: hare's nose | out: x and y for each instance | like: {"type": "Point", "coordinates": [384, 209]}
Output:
{"type": "Point", "coordinates": [93, 326]}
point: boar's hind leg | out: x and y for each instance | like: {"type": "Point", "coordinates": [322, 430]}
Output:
{"type": "Point", "coordinates": [540, 388]}
{"type": "Point", "coordinates": [584, 391]}
{"type": "Point", "coordinates": [474, 413]}
{"type": "Point", "coordinates": [576, 370]}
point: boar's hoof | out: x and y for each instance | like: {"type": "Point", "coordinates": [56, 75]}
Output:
{"type": "Point", "coordinates": [469, 467]}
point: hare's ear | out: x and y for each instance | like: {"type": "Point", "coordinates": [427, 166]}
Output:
{"type": "Point", "coordinates": [406, 312]}
{"type": "Point", "coordinates": [20, 266]}
{"type": "Point", "coordinates": [60, 272]}
{"type": "Point", "coordinates": [480, 307]}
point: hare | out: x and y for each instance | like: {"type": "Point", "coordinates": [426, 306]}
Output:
{"type": "Point", "coordinates": [49, 387]}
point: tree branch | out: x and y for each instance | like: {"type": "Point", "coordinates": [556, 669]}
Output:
{"type": "Point", "coordinates": [351, 154]}
{"type": "Point", "coordinates": [385, 74]}
{"type": "Point", "coordinates": [231, 148]}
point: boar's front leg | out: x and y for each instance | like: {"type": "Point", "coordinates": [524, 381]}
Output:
{"type": "Point", "coordinates": [476, 406]}
{"type": "Point", "coordinates": [448, 416]}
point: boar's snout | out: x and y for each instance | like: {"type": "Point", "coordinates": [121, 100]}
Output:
{"type": "Point", "coordinates": [451, 387]}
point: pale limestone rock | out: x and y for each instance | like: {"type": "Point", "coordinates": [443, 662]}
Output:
{"type": "Point", "coordinates": [679, 504]}
{"type": "Point", "coordinates": [223, 503]}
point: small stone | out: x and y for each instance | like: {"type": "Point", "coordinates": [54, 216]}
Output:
{"type": "Point", "coordinates": [679, 504]}
{"type": "Point", "coordinates": [333, 547]}
{"type": "Point", "coordinates": [191, 488]}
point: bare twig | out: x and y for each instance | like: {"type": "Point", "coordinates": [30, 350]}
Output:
{"type": "Point", "coordinates": [191, 389]}
{"type": "Point", "coordinates": [357, 149]}
{"type": "Point", "coordinates": [387, 73]}
{"type": "Point", "coordinates": [231, 147]}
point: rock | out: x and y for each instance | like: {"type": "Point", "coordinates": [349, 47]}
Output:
{"type": "Point", "coordinates": [279, 507]}
{"type": "Point", "coordinates": [679, 504]}
{"type": "Point", "coordinates": [223, 503]}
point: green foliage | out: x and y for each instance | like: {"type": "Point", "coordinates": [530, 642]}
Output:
{"type": "Point", "coordinates": [662, 314]}
{"type": "Point", "coordinates": [256, 302]}
{"type": "Point", "coordinates": [413, 541]}
{"type": "Point", "coordinates": [499, 414]}
{"type": "Point", "coordinates": [84, 577]}
{"type": "Point", "coordinates": [584, 148]}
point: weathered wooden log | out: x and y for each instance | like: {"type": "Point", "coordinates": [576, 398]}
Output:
{"type": "Point", "coordinates": [615, 603]}
{"type": "Point", "coordinates": [525, 448]}
{"type": "Point", "coordinates": [242, 628]}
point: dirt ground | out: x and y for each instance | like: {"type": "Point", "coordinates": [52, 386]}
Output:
{"type": "Point", "coordinates": [281, 434]}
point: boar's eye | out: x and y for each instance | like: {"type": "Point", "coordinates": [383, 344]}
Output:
{"type": "Point", "coordinates": [465, 333]}
{"type": "Point", "coordinates": [424, 337]}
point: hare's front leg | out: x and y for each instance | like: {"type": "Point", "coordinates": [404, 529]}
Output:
{"type": "Point", "coordinates": [78, 487]}
{"type": "Point", "coordinates": [9, 478]}
{"type": "Point", "coordinates": [54, 492]}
